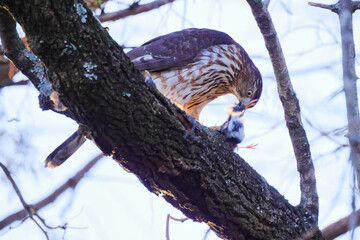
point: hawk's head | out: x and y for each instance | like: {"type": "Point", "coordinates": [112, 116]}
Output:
{"type": "Point", "coordinates": [248, 87]}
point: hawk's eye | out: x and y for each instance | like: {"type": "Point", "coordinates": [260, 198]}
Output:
{"type": "Point", "coordinates": [249, 93]}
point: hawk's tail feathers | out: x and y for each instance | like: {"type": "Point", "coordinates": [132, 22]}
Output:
{"type": "Point", "coordinates": [65, 150]}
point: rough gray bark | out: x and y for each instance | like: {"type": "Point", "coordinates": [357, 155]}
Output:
{"type": "Point", "coordinates": [350, 84]}
{"type": "Point", "coordinates": [27, 62]}
{"type": "Point", "coordinates": [309, 198]}
{"type": "Point", "coordinates": [145, 133]}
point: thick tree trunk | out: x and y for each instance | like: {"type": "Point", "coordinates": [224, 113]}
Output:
{"type": "Point", "coordinates": [146, 134]}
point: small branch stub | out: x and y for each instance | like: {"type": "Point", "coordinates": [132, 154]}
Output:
{"type": "Point", "coordinates": [355, 5]}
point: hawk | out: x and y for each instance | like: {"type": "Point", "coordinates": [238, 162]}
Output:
{"type": "Point", "coordinates": [191, 67]}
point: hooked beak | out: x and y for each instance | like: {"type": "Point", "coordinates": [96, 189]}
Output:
{"type": "Point", "coordinates": [241, 107]}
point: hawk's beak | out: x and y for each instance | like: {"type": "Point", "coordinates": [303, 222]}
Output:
{"type": "Point", "coordinates": [239, 107]}
{"type": "Point", "coordinates": [242, 105]}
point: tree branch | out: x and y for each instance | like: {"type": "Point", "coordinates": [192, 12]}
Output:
{"type": "Point", "coordinates": [70, 183]}
{"type": "Point", "coordinates": [8, 83]}
{"type": "Point", "coordinates": [309, 197]}
{"type": "Point", "coordinates": [27, 62]}
{"type": "Point", "coordinates": [344, 9]}
{"type": "Point", "coordinates": [109, 98]}
{"type": "Point", "coordinates": [342, 226]}
{"type": "Point", "coordinates": [332, 7]}
{"type": "Point", "coordinates": [350, 87]}
{"type": "Point", "coordinates": [17, 190]}
{"type": "Point", "coordinates": [134, 9]}
{"type": "Point", "coordinates": [167, 228]}
{"type": "Point", "coordinates": [355, 5]}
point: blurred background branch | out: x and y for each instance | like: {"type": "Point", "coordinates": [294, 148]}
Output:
{"type": "Point", "coordinates": [345, 9]}
{"type": "Point", "coordinates": [71, 183]}
{"type": "Point", "coordinates": [133, 9]}
{"type": "Point", "coordinates": [341, 226]}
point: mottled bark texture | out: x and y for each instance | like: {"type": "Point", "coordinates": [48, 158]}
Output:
{"type": "Point", "coordinates": [145, 133]}
{"type": "Point", "coordinates": [27, 62]}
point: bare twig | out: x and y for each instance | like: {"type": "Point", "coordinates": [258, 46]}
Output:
{"type": "Point", "coordinates": [332, 7]}
{"type": "Point", "coordinates": [340, 227]}
{"type": "Point", "coordinates": [167, 234]}
{"type": "Point", "coordinates": [8, 83]}
{"type": "Point", "coordinates": [309, 198]}
{"type": "Point", "coordinates": [70, 183]}
{"type": "Point", "coordinates": [178, 219]}
{"type": "Point", "coordinates": [27, 62]}
{"type": "Point", "coordinates": [206, 234]}
{"type": "Point", "coordinates": [134, 9]}
{"type": "Point", "coordinates": [29, 209]}
{"type": "Point", "coordinates": [355, 5]}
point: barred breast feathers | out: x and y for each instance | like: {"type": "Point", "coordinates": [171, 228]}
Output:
{"type": "Point", "coordinates": [212, 74]}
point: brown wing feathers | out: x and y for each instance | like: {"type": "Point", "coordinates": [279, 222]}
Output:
{"type": "Point", "coordinates": [176, 50]}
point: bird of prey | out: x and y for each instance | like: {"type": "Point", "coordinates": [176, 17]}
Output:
{"type": "Point", "coordinates": [191, 67]}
